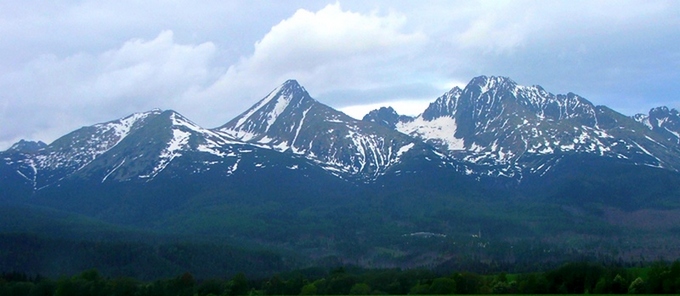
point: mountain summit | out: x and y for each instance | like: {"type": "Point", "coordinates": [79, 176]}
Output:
{"type": "Point", "coordinates": [494, 121]}
{"type": "Point", "coordinates": [663, 121]}
{"type": "Point", "coordinates": [24, 146]}
{"type": "Point", "coordinates": [289, 120]}
{"type": "Point", "coordinates": [286, 105]}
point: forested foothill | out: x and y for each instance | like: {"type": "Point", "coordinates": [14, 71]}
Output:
{"type": "Point", "coordinates": [570, 278]}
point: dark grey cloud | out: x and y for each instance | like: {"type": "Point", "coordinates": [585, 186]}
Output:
{"type": "Point", "coordinates": [66, 64]}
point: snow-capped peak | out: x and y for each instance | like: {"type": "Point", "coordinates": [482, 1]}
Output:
{"type": "Point", "coordinates": [493, 120]}
{"type": "Point", "coordinates": [662, 120]}
{"type": "Point", "coordinates": [484, 83]}
{"type": "Point", "coordinates": [259, 119]}
{"type": "Point", "coordinates": [25, 146]}
{"type": "Point", "coordinates": [445, 105]}
{"type": "Point", "coordinates": [386, 116]}
{"type": "Point", "coordinates": [288, 119]}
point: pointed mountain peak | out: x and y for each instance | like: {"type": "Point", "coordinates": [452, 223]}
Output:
{"type": "Point", "coordinates": [644, 119]}
{"type": "Point", "coordinates": [455, 90]}
{"type": "Point", "coordinates": [291, 84]}
{"type": "Point", "coordinates": [660, 116]}
{"type": "Point", "coordinates": [382, 111]}
{"type": "Point", "coordinates": [386, 116]}
{"type": "Point", "coordinates": [663, 120]}
{"type": "Point", "coordinates": [172, 114]}
{"type": "Point", "coordinates": [662, 111]}
{"type": "Point", "coordinates": [277, 107]}
{"type": "Point", "coordinates": [177, 119]}
{"type": "Point", "coordinates": [291, 89]}
{"type": "Point", "coordinates": [24, 146]}
{"type": "Point", "coordinates": [489, 82]}
{"type": "Point", "coordinates": [445, 105]}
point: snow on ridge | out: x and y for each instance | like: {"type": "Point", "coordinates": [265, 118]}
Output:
{"type": "Point", "coordinates": [491, 82]}
{"type": "Point", "coordinates": [405, 149]}
{"type": "Point", "coordinates": [178, 120]}
{"type": "Point", "coordinates": [210, 135]}
{"type": "Point", "coordinates": [213, 140]}
{"type": "Point", "coordinates": [105, 137]}
{"type": "Point", "coordinates": [257, 107]}
{"type": "Point", "coordinates": [645, 151]}
{"type": "Point", "coordinates": [124, 126]}
{"type": "Point", "coordinates": [266, 113]}
{"type": "Point", "coordinates": [676, 134]}
{"type": "Point", "coordinates": [179, 140]}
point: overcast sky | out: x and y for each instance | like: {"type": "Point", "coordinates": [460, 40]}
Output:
{"type": "Point", "coordinates": [67, 64]}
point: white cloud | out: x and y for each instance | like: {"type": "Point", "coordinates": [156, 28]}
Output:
{"type": "Point", "coordinates": [497, 27]}
{"type": "Point", "coordinates": [330, 36]}
{"type": "Point", "coordinates": [402, 107]}
{"type": "Point", "coordinates": [157, 69]}
{"type": "Point", "coordinates": [62, 94]}
{"type": "Point", "coordinates": [68, 64]}
{"type": "Point", "coordinates": [328, 49]}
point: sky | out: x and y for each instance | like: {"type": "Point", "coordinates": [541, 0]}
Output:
{"type": "Point", "coordinates": [68, 64]}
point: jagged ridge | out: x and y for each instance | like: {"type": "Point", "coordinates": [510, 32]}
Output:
{"type": "Point", "coordinates": [289, 120]}
{"type": "Point", "coordinates": [495, 121]}
{"type": "Point", "coordinates": [491, 127]}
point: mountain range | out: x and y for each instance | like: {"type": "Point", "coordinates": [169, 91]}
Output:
{"type": "Point", "coordinates": [293, 173]}
{"type": "Point", "coordinates": [492, 127]}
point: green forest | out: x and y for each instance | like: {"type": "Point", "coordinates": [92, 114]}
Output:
{"type": "Point", "coordinates": [571, 278]}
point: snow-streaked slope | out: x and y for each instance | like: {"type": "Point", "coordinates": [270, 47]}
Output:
{"type": "Point", "coordinates": [77, 149]}
{"type": "Point", "coordinates": [169, 137]}
{"type": "Point", "coordinates": [496, 122]}
{"type": "Point", "coordinates": [139, 146]}
{"type": "Point", "coordinates": [289, 120]}
{"type": "Point", "coordinates": [662, 120]}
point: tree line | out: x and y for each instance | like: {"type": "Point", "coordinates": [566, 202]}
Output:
{"type": "Point", "coordinates": [571, 278]}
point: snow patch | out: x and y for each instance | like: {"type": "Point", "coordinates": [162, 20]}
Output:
{"type": "Point", "coordinates": [179, 140]}
{"type": "Point", "coordinates": [405, 149]}
{"type": "Point", "coordinates": [440, 129]}
{"type": "Point", "coordinates": [654, 141]}
{"type": "Point", "coordinates": [676, 134]}
{"type": "Point", "coordinates": [299, 127]}
{"type": "Point", "coordinates": [283, 146]}
{"type": "Point", "coordinates": [234, 167]}
{"type": "Point", "coordinates": [113, 170]}
{"type": "Point", "coordinates": [257, 107]}
{"type": "Point", "coordinates": [647, 152]}
{"type": "Point", "coordinates": [280, 106]}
